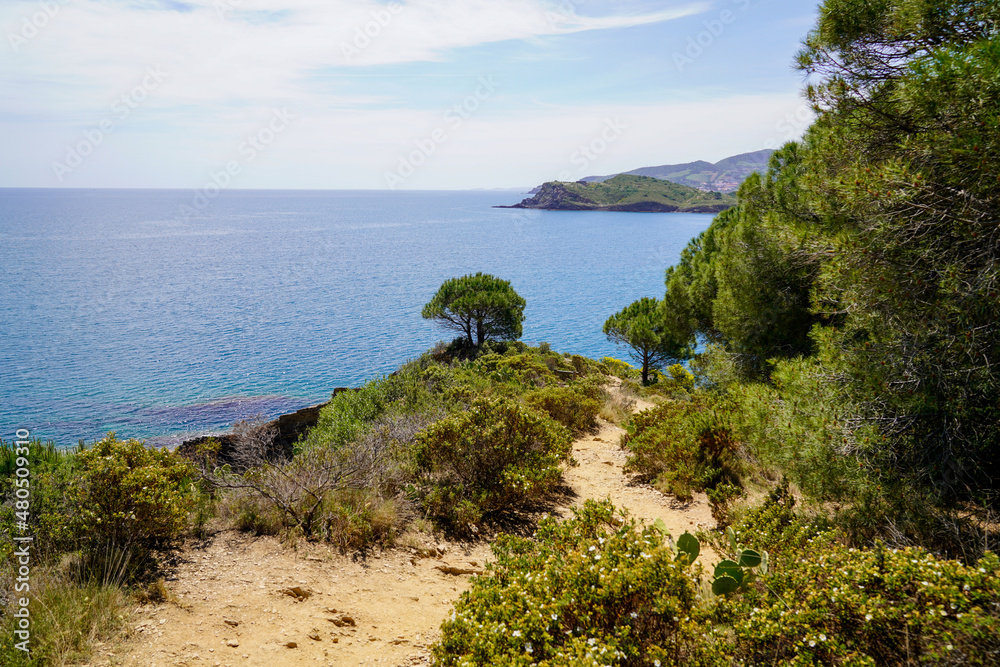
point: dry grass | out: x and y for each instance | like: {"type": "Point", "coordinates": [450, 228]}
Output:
{"type": "Point", "coordinates": [619, 401]}
{"type": "Point", "coordinates": [67, 619]}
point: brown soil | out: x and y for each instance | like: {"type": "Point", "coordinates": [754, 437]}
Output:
{"type": "Point", "coordinates": [241, 600]}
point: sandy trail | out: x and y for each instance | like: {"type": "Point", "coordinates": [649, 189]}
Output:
{"type": "Point", "coordinates": [235, 601]}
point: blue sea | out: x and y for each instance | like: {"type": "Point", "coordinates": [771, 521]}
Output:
{"type": "Point", "coordinates": [133, 311]}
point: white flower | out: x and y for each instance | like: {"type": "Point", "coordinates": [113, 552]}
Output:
{"type": "Point", "coordinates": [516, 633]}
{"type": "Point", "coordinates": [822, 638]}
{"type": "Point", "coordinates": [812, 643]}
{"type": "Point", "coordinates": [868, 617]}
{"type": "Point", "coordinates": [527, 647]}
{"type": "Point", "coordinates": [656, 663]}
{"type": "Point", "coordinates": [555, 617]}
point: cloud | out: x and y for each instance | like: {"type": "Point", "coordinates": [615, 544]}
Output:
{"type": "Point", "coordinates": [228, 63]}
{"type": "Point", "coordinates": [249, 51]}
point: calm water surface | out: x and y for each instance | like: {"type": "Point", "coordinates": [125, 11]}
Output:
{"type": "Point", "coordinates": [118, 312]}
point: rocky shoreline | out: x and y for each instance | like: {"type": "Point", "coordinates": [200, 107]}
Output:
{"type": "Point", "coordinates": [288, 429]}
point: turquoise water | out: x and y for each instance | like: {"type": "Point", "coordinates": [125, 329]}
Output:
{"type": "Point", "coordinates": [119, 312]}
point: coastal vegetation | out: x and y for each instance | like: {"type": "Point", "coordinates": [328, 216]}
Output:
{"type": "Point", "coordinates": [480, 306]}
{"type": "Point", "coordinates": [100, 519]}
{"type": "Point", "coordinates": [841, 417]}
{"type": "Point", "coordinates": [627, 193]}
{"type": "Point", "coordinates": [641, 327]}
{"type": "Point", "coordinates": [847, 311]}
{"type": "Point", "coordinates": [724, 176]}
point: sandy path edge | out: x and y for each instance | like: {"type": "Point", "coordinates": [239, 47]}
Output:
{"type": "Point", "coordinates": [232, 607]}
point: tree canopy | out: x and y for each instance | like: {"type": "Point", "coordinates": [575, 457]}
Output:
{"type": "Point", "coordinates": [871, 248]}
{"type": "Point", "coordinates": [642, 326]}
{"type": "Point", "coordinates": [479, 306]}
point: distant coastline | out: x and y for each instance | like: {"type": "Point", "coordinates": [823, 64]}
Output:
{"type": "Point", "coordinates": [625, 193]}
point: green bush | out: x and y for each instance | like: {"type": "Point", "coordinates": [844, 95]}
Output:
{"type": "Point", "coordinates": [498, 455]}
{"type": "Point", "coordinates": [684, 445]}
{"type": "Point", "coordinates": [527, 369]}
{"type": "Point", "coordinates": [567, 406]}
{"type": "Point", "coordinates": [130, 494]}
{"type": "Point", "coordinates": [53, 474]}
{"type": "Point", "coordinates": [592, 590]}
{"type": "Point", "coordinates": [348, 413]}
{"type": "Point", "coordinates": [117, 497]}
{"type": "Point", "coordinates": [824, 603]}
{"type": "Point", "coordinates": [798, 426]}
{"type": "Point", "coordinates": [619, 368]}
{"type": "Point", "coordinates": [838, 605]}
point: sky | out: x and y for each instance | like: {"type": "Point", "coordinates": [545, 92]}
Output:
{"type": "Point", "coordinates": [377, 94]}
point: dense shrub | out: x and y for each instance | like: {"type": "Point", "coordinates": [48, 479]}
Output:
{"type": "Point", "coordinates": [825, 603]}
{"type": "Point", "coordinates": [798, 426]}
{"type": "Point", "coordinates": [53, 474]}
{"type": "Point", "coordinates": [348, 413]}
{"type": "Point", "coordinates": [566, 405]}
{"type": "Point", "coordinates": [527, 369]}
{"type": "Point", "coordinates": [684, 445]}
{"type": "Point", "coordinates": [619, 368]}
{"type": "Point", "coordinates": [592, 590]}
{"type": "Point", "coordinates": [128, 493]}
{"type": "Point", "coordinates": [96, 516]}
{"type": "Point", "coordinates": [838, 605]}
{"type": "Point", "coordinates": [498, 455]}
{"type": "Point", "coordinates": [346, 495]}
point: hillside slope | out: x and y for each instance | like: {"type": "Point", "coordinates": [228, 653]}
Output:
{"type": "Point", "coordinates": [723, 176]}
{"type": "Point", "coordinates": [626, 193]}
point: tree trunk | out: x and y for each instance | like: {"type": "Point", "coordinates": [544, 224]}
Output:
{"type": "Point", "coordinates": [645, 370]}
{"type": "Point", "coordinates": [479, 333]}
{"type": "Point", "coordinates": [468, 333]}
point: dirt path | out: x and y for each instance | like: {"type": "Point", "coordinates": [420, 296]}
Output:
{"type": "Point", "coordinates": [241, 600]}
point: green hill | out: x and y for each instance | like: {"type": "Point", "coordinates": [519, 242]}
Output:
{"type": "Point", "coordinates": [627, 193]}
{"type": "Point", "coordinates": [723, 176]}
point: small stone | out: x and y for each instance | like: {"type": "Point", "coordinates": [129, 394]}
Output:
{"type": "Point", "coordinates": [230, 622]}
{"type": "Point", "coordinates": [232, 643]}
{"type": "Point", "coordinates": [315, 636]}
{"type": "Point", "coordinates": [342, 620]}
{"type": "Point", "coordinates": [297, 592]}
{"type": "Point", "coordinates": [456, 570]}
{"type": "Point", "coordinates": [291, 645]}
